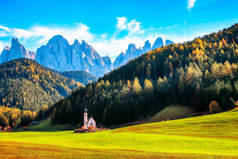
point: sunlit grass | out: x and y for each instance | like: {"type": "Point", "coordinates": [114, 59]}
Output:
{"type": "Point", "coordinates": [210, 136]}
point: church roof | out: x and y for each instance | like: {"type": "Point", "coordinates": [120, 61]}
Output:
{"type": "Point", "coordinates": [85, 110]}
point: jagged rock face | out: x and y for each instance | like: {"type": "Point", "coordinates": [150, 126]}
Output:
{"type": "Point", "coordinates": [61, 56]}
{"type": "Point", "coordinates": [107, 62]}
{"type": "Point", "coordinates": [54, 54]}
{"type": "Point", "coordinates": [158, 43]}
{"type": "Point", "coordinates": [16, 51]}
{"type": "Point", "coordinates": [132, 52]}
{"type": "Point", "coordinates": [168, 42]}
{"type": "Point", "coordinates": [147, 47]}
{"type": "Point", "coordinates": [119, 61]}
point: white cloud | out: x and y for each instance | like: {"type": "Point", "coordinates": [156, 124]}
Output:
{"type": "Point", "coordinates": [43, 33]}
{"type": "Point", "coordinates": [121, 23]}
{"type": "Point", "coordinates": [1, 46]}
{"type": "Point", "coordinates": [4, 28]}
{"type": "Point", "coordinates": [191, 4]}
{"type": "Point", "coordinates": [132, 26]}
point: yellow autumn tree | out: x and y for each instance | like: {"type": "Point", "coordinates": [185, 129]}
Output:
{"type": "Point", "coordinates": [136, 85]}
{"type": "Point", "coordinates": [148, 86]}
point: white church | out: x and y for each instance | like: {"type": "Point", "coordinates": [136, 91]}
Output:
{"type": "Point", "coordinates": [88, 123]}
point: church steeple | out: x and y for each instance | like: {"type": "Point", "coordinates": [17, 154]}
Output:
{"type": "Point", "coordinates": [85, 118]}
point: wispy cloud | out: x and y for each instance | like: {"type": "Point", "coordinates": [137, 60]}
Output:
{"type": "Point", "coordinates": [191, 4]}
{"type": "Point", "coordinates": [43, 33]}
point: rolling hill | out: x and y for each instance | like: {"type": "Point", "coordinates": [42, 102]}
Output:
{"type": "Point", "coordinates": [80, 76]}
{"type": "Point", "coordinates": [27, 85]}
{"type": "Point", "coordinates": [194, 73]}
{"type": "Point", "coordinates": [172, 112]}
{"type": "Point", "coordinates": [208, 136]}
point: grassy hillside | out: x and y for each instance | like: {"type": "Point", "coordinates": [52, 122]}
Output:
{"type": "Point", "coordinates": [27, 85]}
{"type": "Point", "coordinates": [195, 73]}
{"type": "Point", "coordinates": [209, 136]}
{"type": "Point", "coordinates": [80, 76]}
{"type": "Point", "coordinates": [173, 112]}
{"type": "Point", "coordinates": [45, 125]}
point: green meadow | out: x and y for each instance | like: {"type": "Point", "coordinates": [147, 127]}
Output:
{"type": "Point", "coordinates": [208, 136]}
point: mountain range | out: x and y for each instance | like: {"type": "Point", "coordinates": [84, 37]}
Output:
{"type": "Point", "coordinates": [133, 52]}
{"type": "Point", "coordinates": [59, 55]}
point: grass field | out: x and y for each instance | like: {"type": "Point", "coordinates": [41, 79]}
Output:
{"type": "Point", "coordinates": [46, 126]}
{"type": "Point", "coordinates": [210, 136]}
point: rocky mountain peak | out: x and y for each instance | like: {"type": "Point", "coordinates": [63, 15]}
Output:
{"type": "Point", "coordinates": [158, 43]}
{"type": "Point", "coordinates": [168, 42]}
{"type": "Point", "coordinates": [17, 50]}
{"type": "Point", "coordinates": [76, 42]}
{"type": "Point", "coordinates": [132, 52]}
{"type": "Point", "coordinates": [61, 56]}
{"type": "Point", "coordinates": [146, 47]}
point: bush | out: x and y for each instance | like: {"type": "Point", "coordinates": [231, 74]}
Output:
{"type": "Point", "coordinates": [214, 107]}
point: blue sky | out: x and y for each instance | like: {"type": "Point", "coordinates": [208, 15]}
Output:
{"type": "Point", "coordinates": [110, 25]}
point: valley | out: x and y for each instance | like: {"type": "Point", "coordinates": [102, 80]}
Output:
{"type": "Point", "coordinates": [119, 79]}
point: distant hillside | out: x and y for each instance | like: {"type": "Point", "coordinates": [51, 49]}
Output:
{"type": "Point", "coordinates": [27, 85]}
{"type": "Point", "coordinates": [80, 76]}
{"type": "Point", "coordinates": [194, 73]}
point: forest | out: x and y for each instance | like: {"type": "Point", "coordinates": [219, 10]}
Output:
{"type": "Point", "coordinates": [196, 73]}
{"type": "Point", "coordinates": [14, 117]}
{"type": "Point", "coordinates": [79, 76]}
{"type": "Point", "coordinates": [25, 84]}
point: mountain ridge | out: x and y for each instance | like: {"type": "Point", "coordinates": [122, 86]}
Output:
{"type": "Point", "coordinates": [61, 56]}
{"type": "Point", "coordinates": [28, 85]}
{"type": "Point", "coordinates": [133, 52]}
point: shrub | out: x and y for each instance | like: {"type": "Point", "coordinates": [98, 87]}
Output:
{"type": "Point", "coordinates": [214, 107]}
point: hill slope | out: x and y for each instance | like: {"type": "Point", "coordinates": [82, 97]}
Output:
{"type": "Point", "coordinates": [193, 73]}
{"type": "Point", "coordinates": [173, 112]}
{"type": "Point", "coordinates": [28, 85]}
{"type": "Point", "coordinates": [209, 136]}
{"type": "Point", "coordinates": [80, 76]}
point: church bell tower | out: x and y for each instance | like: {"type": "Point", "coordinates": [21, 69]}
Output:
{"type": "Point", "coordinates": [85, 118]}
